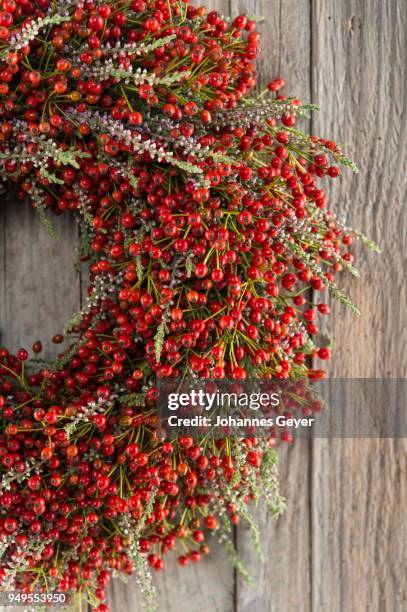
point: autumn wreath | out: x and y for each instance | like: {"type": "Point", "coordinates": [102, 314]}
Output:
{"type": "Point", "coordinates": [208, 239]}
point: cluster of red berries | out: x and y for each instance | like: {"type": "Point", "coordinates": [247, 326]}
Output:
{"type": "Point", "coordinates": [207, 234]}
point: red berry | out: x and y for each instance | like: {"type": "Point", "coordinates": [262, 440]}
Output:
{"type": "Point", "coordinates": [324, 353]}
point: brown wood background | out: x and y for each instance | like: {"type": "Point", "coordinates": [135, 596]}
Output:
{"type": "Point", "coordinates": [341, 546]}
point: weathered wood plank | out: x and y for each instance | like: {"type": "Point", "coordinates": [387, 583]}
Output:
{"type": "Point", "coordinates": [39, 287]}
{"type": "Point", "coordinates": [359, 486]}
{"type": "Point", "coordinates": [207, 586]}
{"type": "Point", "coordinates": [282, 582]}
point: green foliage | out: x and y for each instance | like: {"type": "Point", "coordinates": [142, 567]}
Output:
{"type": "Point", "coordinates": [345, 161]}
{"type": "Point", "coordinates": [231, 551]}
{"type": "Point", "coordinates": [190, 168]}
{"type": "Point", "coordinates": [270, 486]}
{"type": "Point", "coordinates": [159, 338]}
{"type": "Point", "coordinates": [51, 176]}
{"type": "Point", "coordinates": [133, 181]}
{"type": "Point", "coordinates": [139, 268]}
{"type": "Point", "coordinates": [349, 267]}
{"type": "Point", "coordinates": [73, 321]}
{"type": "Point", "coordinates": [133, 399]}
{"type": "Point", "coordinates": [308, 260]}
{"type": "Point", "coordinates": [189, 266]}
{"type": "Point", "coordinates": [366, 241]}
{"type": "Point", "coordinates": [144, 48]}
{"type": "Point", "coordinates": [224, 159]}
{"type": "Point", "coordinates": [143, 573]}
{"type": "Point", "coordinates": [159, 43]}
{"type": "Point", "coordinates": [50, 229]}
{"type": "Point", "coordinates": [305, 110]}
{"type": "Point", "coordinates": [253, 529]}
{"type": "Point", "coordinates": [69, 157]}
{"type": "Point", "coordinates": [175, 77]}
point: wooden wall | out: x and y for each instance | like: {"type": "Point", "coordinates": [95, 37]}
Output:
{"type": "Point", "coordinates": [341, 544]}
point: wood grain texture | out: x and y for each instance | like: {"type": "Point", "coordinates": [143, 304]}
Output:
{"type": "Point", "coordinates": [208, 586]}
{"type": "Point", "coordinates": [39, 289]}
{"type": "Point", "coordinates": [359, 486]}
{"type": "Point", "coordinates": [357, 72]}
{"type": "Point", "coordinates": [283, 582]}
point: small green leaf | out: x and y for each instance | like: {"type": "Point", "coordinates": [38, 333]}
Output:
{"type": "Point", "coordinates": [51, 231]}
{"type": "Point", "coordinates": [306, 258]}
{"type": "Point", "coordinates": [189, 266]}
{"type": "Point", "coordinates": [139, 268]}
{"type": "Point", "coordinates": [346, 161]}
{"type": "Point", "coordinates": [224, 159]}
{"type": "Point", "coordinates": [174, 78]}
{"type": "Point", "coordinates": [51, 176]}
{"type": "Point", "coordinates": [68, 158]}
{"type": "Point", "coordinates": [159, 339]}
{"type": "Point", "coordinates": [366, 241]}
{"type": "Point", "coordinates": [133, 399]}
{"type": "Point", "coordinates": [133, 181]}
{"type": "Point", "coordinates": [190, 168]}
